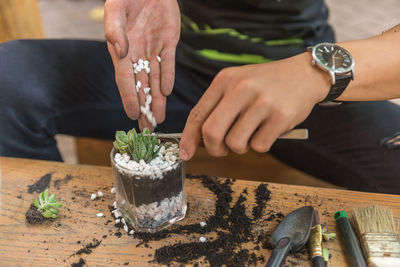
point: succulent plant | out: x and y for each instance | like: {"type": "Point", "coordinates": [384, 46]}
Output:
{"type": "Point", "coordinates": [138, 146]}
{"type": "Point", "coordinates": [47, 205]}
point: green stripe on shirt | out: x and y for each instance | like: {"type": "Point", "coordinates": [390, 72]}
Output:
{"type": "Point", "coordinates": [234, 33]}
{"type": "Point", "coordinates": [233, 58]}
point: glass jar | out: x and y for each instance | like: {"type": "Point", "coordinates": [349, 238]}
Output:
{"type": "Point", "coordinates": [150, 203]}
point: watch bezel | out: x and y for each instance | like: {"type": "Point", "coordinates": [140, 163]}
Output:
{"type": "Point", "coordinates": [325, 68]}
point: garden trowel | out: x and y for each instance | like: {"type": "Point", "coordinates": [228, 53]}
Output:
{"type": "Point", "coordinates": [291, 235]}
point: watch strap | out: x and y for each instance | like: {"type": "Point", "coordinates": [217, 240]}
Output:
{"type": "Point", "coordinates": [341, 82]}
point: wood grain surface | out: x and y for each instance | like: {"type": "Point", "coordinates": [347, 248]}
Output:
{"type": "Point", "coordinates": [56, 242]}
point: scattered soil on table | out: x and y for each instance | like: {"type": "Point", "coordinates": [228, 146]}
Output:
{"type": "Point", "coordinates": [41, 184]}
{"type": "Point", "coordinates": [60, 182]}
{"type": "Point", "coordinates": [80, 263]}
{"type": "Point", "coordinates": [233, 229]}
{"type": "Point", "coordinates": [262, 196]}
{"type": "Point", "coordinates": [89, 247]}
{"type": "Point", "coordinates": [33, 216]}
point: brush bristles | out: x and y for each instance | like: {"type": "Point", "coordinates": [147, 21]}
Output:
{"type": "Point", "coordinates": [373, 219]}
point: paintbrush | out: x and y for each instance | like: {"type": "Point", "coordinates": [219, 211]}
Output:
{"type": "Point", "coordinates": [315, 241]}
{"type": "Point", "coordinates": [377, 231]}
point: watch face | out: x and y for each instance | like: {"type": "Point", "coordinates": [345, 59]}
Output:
{"type": "Point", "coordinates": [333, 58]}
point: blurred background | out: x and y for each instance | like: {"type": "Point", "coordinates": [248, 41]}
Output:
{"type": "Point", "coordinates": [83, 19]}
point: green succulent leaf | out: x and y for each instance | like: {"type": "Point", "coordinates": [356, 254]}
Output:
{"type": "Point", "coordinates": [53, 216]}
{"type": "Point", "coordinates": [57, 205]}
{"type": "Point", "coordinates": [41, 199]}
{"type": "Point", "coordinates": [327, 236]}
{"type": "Point", "coordinates": [46, 206]}
{"type": "Point", "coordinates": [52, 198]}
{"type": "Point", "coordinates": [46, 214]}
{"type": "Point", "coordinates": [121, 136]}
{"type": "Point", "coordinates": [325, 254]}
{"type": "Point", "coordinates": [35, 203]}
{"type": "Point", "coordinates": [146, 131]}
{"type": "Point", "coordinates": [132, 135]}
{"type": "Point", "coordinates": [55, 211]}
{"type": "Point", "coordinates": [46, 194]}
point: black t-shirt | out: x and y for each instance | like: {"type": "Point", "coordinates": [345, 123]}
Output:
{"type": "Point", "coordinates": [221, 33]}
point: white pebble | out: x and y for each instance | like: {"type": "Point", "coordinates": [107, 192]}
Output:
{"type": "Point", "coordinates": [126, 228]}
{"type": "Point", "coordinates": [146, 63]}
{"type": "Point", "coordinates": [202, 224]}
{"type": "Point", "coordinates": [148, 99]}
{"type": "Point", "coordinates": [158, 58]}
{"type": "Point", "coordinates": [99, 214]}
{"type": "Point", "coordinates": [93, 197]}
{"type": "Point", "coordinates": [137, 69]}
{"type": "Point", "coordinates": [138, 84]}
{"type": "Point", "coordinates": [115, 204]}
{"type": "Point", "coordinates": [147, 70]}
{"type": "Point", "coordinates": [117, 214]}
{"type": "Point", "coordinates": [117, 221]}
{"type": "Point", "coordinates": [202, 239]}
{"type": "Point", "coordinates": [131, 232]}
{"type": "Point", "coordinates": [123, 221]}
{"type": "Point", "coordinates": [146, 90]}
{"type": "Point", "coordinates": [113, 190]}
{"type": "Point", "coordinates": [100, 194]}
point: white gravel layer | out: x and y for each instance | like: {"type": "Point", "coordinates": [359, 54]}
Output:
{"type": "Point", "coordinates": [167, 159]}
{"type": "Point", "coordinates": [158, 212]}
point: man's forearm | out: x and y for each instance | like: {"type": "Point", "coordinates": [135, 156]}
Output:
{"type": "Point", "coordinates": [377, 67]}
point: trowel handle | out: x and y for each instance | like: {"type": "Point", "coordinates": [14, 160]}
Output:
{"type": "Point", "coordinates": [280, 252]}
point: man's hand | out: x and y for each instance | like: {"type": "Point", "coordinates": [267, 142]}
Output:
{"type": "Point", "coordinates": [143, 29]}
{"type": "Point", "coordinates": [251, 106]}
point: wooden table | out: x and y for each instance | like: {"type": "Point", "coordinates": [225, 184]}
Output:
{"type": "Point", "coordinates": [57, 242]}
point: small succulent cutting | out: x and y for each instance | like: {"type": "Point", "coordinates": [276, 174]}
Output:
{"type": "Point", "coordinates": [138, 146]}
{"type": "Point", "coordinates": [47, 205]}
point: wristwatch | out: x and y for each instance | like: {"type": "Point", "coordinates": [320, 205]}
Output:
{"type": "Point", "coordinates": [338, 62]}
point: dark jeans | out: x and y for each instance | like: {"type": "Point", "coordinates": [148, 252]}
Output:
{"type": "Point", "coordinates": [65, 86]}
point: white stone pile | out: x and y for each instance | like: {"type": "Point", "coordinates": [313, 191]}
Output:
{"type": "Point", "coordinates": [156, 213]}
{"type": "Point", "coordinates": [141, 65]}
{"type": "Point", "coordinates": [167, 159]}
